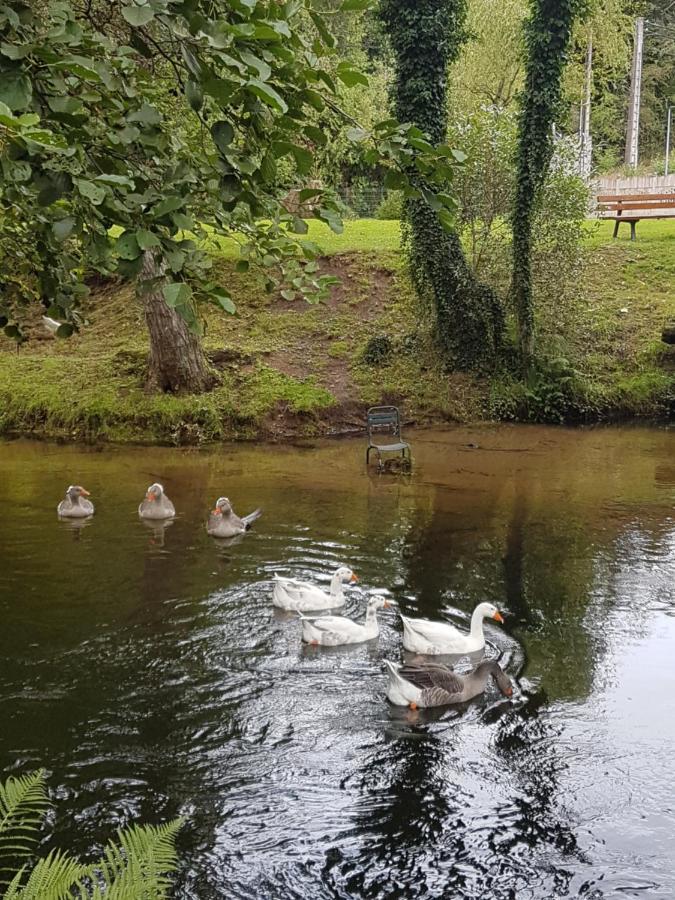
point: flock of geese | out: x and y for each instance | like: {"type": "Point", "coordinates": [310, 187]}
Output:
{"type": "Point", "coordinates": [416, 685]}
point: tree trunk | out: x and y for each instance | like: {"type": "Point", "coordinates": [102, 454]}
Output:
{"type": "Point", "coordinates": [177, 363]}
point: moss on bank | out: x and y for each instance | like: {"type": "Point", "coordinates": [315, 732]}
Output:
{"type": "Point", "coordinates": [287, 368]}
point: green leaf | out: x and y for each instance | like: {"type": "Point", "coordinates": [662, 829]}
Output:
{"type": "Point", "coordinates": [16, 90]}
{"type": "Point", "coordinates": [46, 139]}
{"type": "Point", "coordinates": [320, 25]}
{"type": "Point", "coordinates": [241, 265]}
{"type": "Point", "coordinates": [331, 218]}
{"type": "Point", "coordinates": [307, 194]}
{"type": "Point", "coordinates": [459, 155]}
{"type": "Point", "coordinates": [65, 330]}
{"type": "Point", "coordinates": [116, 180]}
{"type": "Point", "coordinates": [299, 226]}
{"type": "Point", "coordinates": [78, 65]}
{"type": "Point", "coordinates": [146, 114]}
{"type": "Point", "coordinates": [15, 51]}
{"type": "Point", "coordinates": [349, 75]}
{"type": "Point", "coordinates": [220, 89]}
{"type": "Point", "coordinates": [63, 228]}
{"type": "Point", "coordinates": [194, 94]}
{"type": "Point", "coordinates": [267, 94]}
{"type": "Point", "coordinates": [146, 239]}
{"type": "Point", "coordinates": [168, 205]}
{"type": "Point", "coordinates": [318, 135]}
{"type": "Point", "coordinates": [349, 5]}
{"type": "Point", "coordinates": [314, 99]}
{"type": "Point", "coordinates": [176, 293]}
{"type": "Point", "coordinates": [90, 191]}
{"type": "Point", "coordinates": [254, 62]}
{"type": "Point", "coordinates": [138, 15]}
{"type": "Point", "coordinates": [223, 134]}
{"type": "Point", "coordinates": [303, 159]}
{"type": "Point", "coordinates": [127, 246]}
{"type": "Point", "coordinates": [180, 220]}
{"type": "Point", "coordinates": [223, 299]}
{"type": "Point", "coordinates": [394, 180]}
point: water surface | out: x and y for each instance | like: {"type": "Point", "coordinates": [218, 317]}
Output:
{"type": "Point", "coordinates": [145, 668]}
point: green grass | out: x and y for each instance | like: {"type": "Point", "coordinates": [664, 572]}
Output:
{"type": "Point", "coordinates": [300, 369]}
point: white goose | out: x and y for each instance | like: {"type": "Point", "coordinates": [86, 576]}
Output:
{"type": "Point", "coordinates": [333, 631]}
{"type": "Point", "coordinates": [301, 596]}
{"type": "Point", "coordinates": [435, 638]}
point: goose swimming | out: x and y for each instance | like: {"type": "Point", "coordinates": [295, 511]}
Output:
{"type": "Point", "coordinates": [431, 684]}
{"type": "Point", "coordinates": [75, 505]}
{"type": "Point", "coordinates": [156, 504]}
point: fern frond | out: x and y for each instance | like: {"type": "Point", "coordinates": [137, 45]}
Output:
{"type": "Point", "coordinates": [23, 804]}
{"type": "Point", "coordinates": [52, 878]}
{"type": "Point", "coordinates": [139, 866]}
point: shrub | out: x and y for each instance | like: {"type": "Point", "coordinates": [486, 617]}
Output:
{"type": "Point", "coordinates": [391, 206]}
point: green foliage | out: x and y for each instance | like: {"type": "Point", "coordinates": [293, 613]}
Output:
{"type": "Point", "coordinates": [426, 38]}
{"type": "Point", "coordinates": [94, 142]}
{"type": "Point", "coordinates": [139, 865]}
{"type": "Point", "coordinates": [547, 32]}
{"type": "Point", "coordinates": [390, 207]}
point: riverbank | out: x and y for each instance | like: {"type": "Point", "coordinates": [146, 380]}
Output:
{"type": "Point", "coordinates": [289, 369]}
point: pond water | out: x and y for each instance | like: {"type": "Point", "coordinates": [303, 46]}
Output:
{"type": "Point", "coordinates": [146, 670]}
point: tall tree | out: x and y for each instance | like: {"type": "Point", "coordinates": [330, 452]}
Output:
{"type": "Point", "coordinates": [161, 122]}
{"type": "Point", "coordinates": [547, 34]}
{"type": "Point", "coordinates": [426, 36]}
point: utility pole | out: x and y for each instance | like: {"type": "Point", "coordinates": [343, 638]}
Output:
{"type": "Point", "coordinates": [668, 121]}
{"type": "Point", "coordinates": [631, 157]}
{"type": "Point", "coordinates": [585, 146]}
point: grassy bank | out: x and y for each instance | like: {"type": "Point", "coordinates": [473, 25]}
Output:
{"type": "Point", "coordinates": [288, 368]}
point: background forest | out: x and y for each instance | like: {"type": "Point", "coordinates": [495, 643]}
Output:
{"type": "Point", "coordinates": [206, 199]}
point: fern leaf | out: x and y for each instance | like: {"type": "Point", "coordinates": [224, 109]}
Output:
{"type": "Point", "coordinates": [52, 878]}
{"type": "Point", "coordinates": [23, 804]}
{"type": "Point", "coordinates": [139, 866]}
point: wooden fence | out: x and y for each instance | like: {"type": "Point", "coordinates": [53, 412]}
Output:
{"type": "Point", "coordinates": [637, 184]}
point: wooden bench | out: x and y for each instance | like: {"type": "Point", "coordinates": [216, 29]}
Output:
{"type": "Point", "coordinates": [633, 207]}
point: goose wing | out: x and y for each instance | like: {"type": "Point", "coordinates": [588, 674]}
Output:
{"type": "Point", "coordinates": [430, 676]}
{"type": "Point", "coordinates": [248, 520]}
{"type": "Point", "coordinates": [433, 631]}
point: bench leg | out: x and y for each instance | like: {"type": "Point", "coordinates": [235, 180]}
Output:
{"type": "Point", "coordinates": [632, 230]}
{"type": "Point", "coordinates": [616, 228]}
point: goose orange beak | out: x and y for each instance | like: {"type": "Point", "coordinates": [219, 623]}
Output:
{"type": "Point", "coordinates": [354, 578]}
{"type": "Point", "coordinates": [217, 511]}
{"type": "Point", "coordinates": [498, 617]}
{"type": "Point", "coordinates": [149, 496]}
{"type": "Point", "coordinates": [85, 492]}
{"type": "Point", "coordinates": [386, 604]}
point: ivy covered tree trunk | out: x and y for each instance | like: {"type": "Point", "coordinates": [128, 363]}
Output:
{"type": "Point", "coordinates": [177, 363]}
{"type": "Point", "coordinates": [547, 34]}
{"type": "Point", "coordinates": [426, 36]}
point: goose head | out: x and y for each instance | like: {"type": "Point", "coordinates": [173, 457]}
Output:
{"type": "Point", "coordinates": [154, 493]}
{"type": "Point", "coordinates": [491, 667]}
{"type": "Point", "coordinates": [345, 575]}
{"type": "Point", "coordinates": [378, 603]}
{"type": "Point", "coordinates": [488, 611]}
{"type": "Point", "coordinates": [223, 507]}
{"type": "Point", "coordinates": [75, 491]}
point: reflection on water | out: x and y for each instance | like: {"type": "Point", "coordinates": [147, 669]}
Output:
{"type": "Point", "coordinates": [144, 666]}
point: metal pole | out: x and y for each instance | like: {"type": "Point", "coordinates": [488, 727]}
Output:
{"type": "Point", "coordinates": [670, 116]}
{"type": "Point", "coordinates": [631, 155]}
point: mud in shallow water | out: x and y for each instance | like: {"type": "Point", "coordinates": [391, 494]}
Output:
{"type": "Point", "coordinates": [146, 670]}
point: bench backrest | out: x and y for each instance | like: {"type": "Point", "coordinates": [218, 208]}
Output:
{"type": "Point", "coordinates": [383, 419]}
{"type": "Point", "coordinates": [616, 204]}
